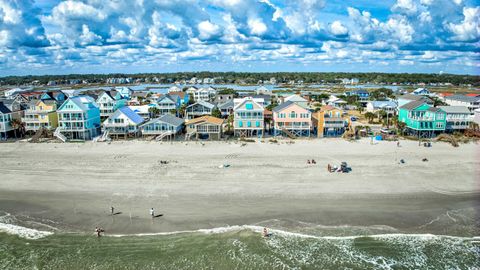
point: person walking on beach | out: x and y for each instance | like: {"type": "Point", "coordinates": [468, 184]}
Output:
{"type": "Point", "coordinates": [112, 210]}
{"type": "Point", "coordinates": [152, 212]}
{"type": "Point", "coordinates": [98, 231]}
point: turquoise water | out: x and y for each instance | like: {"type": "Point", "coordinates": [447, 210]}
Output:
{"type": "Point", "coordinates": [238, 248]}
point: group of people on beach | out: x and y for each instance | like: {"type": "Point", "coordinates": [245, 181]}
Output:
{"type": "Point", "coordinates": [99, 230]}
{"type": "Point", "coordinates": [311, 161]}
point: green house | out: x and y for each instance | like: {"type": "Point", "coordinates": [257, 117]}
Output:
{"type": "Point", "coordinates": [422, 119]}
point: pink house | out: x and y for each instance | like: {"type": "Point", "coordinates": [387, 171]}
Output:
{"type": "Point", "coordinates": [292, 120]}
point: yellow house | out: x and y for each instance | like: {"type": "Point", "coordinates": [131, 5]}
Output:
{"type": "Point", "coordinates": [41, 113]}
{"type": "Point", "coordinates": [330, 122]}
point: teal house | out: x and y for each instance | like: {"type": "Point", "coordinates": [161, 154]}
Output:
{"type": "Point", "coordinates": [79, 118]}
{"type": "Point", "coordinates": [422, 119]}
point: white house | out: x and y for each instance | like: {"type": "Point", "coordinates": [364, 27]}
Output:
{"type": "Point", "coordinates": [262, 90]}
{"type": "Point", "coordinates": [421, 92]}
{"type": "Point", "coordinates": [472, 103]}
{"type": "Point", "coordinates": [476, 117]}
{"type": "Point", "coordinates": [248, 117]}
{"type": "Point", "coordinates": [387, 106]}
{"type": "Point", "coordinates": [123, 122]}
{"type": "Point", "coordinates": [297, 100]}
{"type": "Point", "coordinates": [336, 102]}
{"type": "Point", "coordinates": [458, 117]}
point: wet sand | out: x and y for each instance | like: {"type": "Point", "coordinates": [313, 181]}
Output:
{"type": "Point", "coordinates": [72, 186]}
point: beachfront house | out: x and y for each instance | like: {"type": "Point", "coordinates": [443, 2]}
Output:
{"type": "Point", "coordinates": [226, 108]}
{"type": "Point", "coordinates": [329, 121]}
{"type": "Point", "coordinates": [168, 104]}
{"type": "Point", "coordinates": [476, 116]}
{"type": "Point", "coordinates": [108, 102]}
{"type": "Point", "coordinates": [41, 114]}
{"type": "Point", "coordinates": [58, 96]}
{"type": "Point", "coordinates": [248, 117]}
{"type": "Point", "coordinates": [292, 119]}
{"type": "Point", "coordinates": [421, 119]}
{"type": "Point", "coordinates": [458, 118]}
{"type": "Point", "coordinates": [336, 102]}
{"type": "Point", "coordinates": [6, 117]}
{"type": "Point", "coordinates": [79, 118]}
{"type": "Point", "coordinates": [165, 126]}
{"type": "Point", "coordinates": [389, 107]}
{"type": "Point", "coordinates": [471, 102]}
{"type": "Point", "coordinates": [205, 128]}
{"type": "Point", "coordinates": [124, 122]}
{"type": "Point", "coordinates": [198, 109]}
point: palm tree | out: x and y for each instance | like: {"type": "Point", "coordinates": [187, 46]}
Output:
{"type": "Point", "coordinates": [16, 124]}
{"type": "Point", "coordinates": [216, 113]}
{"type": "Point", "coordinates": [230, 120]}
{"type": "Point", "coordinates": [153, 111]}
{"type": "Point", "coordinates": [369, 116]}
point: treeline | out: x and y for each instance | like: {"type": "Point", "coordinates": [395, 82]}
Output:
{"type": "Point", "coordinates": [251, 78]}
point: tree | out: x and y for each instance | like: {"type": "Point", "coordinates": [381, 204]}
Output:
{"type": "Point", "coordinates": [153, 112]}
{"type": "Point", "coordinates": [369, 116]}
{"type": "Point", "coordinates": [438, 102]}
{"type": "Point", "coordinates": [16, 124]}
{"type": "Point", "coordinates": [230, 121]}
{"type": "Point", "coordinates": [217, 113]}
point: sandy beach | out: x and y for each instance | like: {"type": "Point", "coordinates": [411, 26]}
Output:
{"type": "Point", "coordinates": [70, 187]}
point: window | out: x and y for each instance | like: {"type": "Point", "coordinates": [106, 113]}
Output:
{"type": "Point", "coordinates": [440, 116]}
{"type": "Point", "coordinates": [249, 124]}
{"type": "Point", "coordinates": [293, 114]}
{"type": "Point", "coordinates": [240, 124]}
{"type": "Point", "coordinates": [257, 124]}
{"type": "Point", "coordinates": [439, 125]}
{"type": "Point", "coordinates": [249, 106]}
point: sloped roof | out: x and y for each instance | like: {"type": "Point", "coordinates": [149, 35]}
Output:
{"type": "Point", "coordinates": [227, 104]}
{"type": "Point", "coordinates": [383, 104]}
{"type": "Point", "coordinates": [434, 109]}
{"type": "Point", "coordinates": [204, 103]}
{"type": "Point", "coordinates": [412, 97]}
{"type": "Point", "coordinates": [463, 98]}
{"type": "Point", "coordinates": [455, 109]}
{"type": "Point", "coordinates": [134, 117]}
{"type": "Point", "coordinates": [167, 118]}
{"type": "Point", "coordinates": [282, 106]}
{"type": "Point", "coordinates": [413, 104]}
{"type": "Point", "coordinates": [4, 109]}
{"type": "Point", "coordinates": [82, 101]}
{"type": "Point", "coordinates": [206, 119]}
{"type": "Point", "coordinates": [295, 98]}
{"type": "Point", "coordinates": [178, 93]}
{"type": "Point", "coordinates": [167, 96]}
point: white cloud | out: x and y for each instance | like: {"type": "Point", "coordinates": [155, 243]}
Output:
{"type": "Point", "coordinates": [257, 27]}
{"type": "Point", "coordinates": [469, 28]}
{"type": "Point", "coordinates": [338, 29]}
{"type": "Point", "coordinates": [208, 30]}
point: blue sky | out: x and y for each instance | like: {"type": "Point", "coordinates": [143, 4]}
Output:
{"type": "Point", "coordinates": [132, 36]}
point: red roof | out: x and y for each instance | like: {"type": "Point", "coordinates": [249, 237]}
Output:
{"type": "Point", "coordinates": [472, 95]}
{"type": "Point", "coordinates": [446, 94]}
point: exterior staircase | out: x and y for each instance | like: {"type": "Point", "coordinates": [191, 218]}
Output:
{"type": "Point", "coordinates": [59, 134]}
{"type": "Point", "coordinates": [188, 136]}
{"type": "Point", "coordinates": [289, 134]}
{"type": "Point", "coordinates": [163, 135]}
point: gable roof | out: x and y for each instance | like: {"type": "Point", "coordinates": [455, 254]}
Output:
{"type": "Point", "coordinates": [81, 102]}
{"type": "Point", "coordinates": [283, 106]}
{"type": "Point", "coordinates": [206, 119]}
{"type": "Point", "coordinates": [225, 105]}
{"type": "Point", "coordinates": [413, 104]}
{"type": "Point", "coordinates": [134, 117]}
{"type": "Point", "coordinates": [203, 103]}
{"type": "Point", "coordinates": [238, 102]}
{"type": "Point", "coordinates": [434, 109]}
{"type": "Point", "coordinates": [383, 104]}
{"type": "Point", "coordinates": [455, 109]}
{"type": "Point", "coordinates": [414, 97]}
{"type": "Point", "coordinates": [168, 97]}
{"type": "Point", "coordinates": [295, 98]}
{"type": "Point", "coordinates": [178, 93]}
{"type": "Point", "coordinates": [167, 118]}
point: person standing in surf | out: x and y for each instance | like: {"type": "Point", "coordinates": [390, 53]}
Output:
{"type": "Point", "coordinates": [152, 212]}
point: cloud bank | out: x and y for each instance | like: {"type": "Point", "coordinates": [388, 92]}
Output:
{"type": "Point", "coordinates": [52, 36]}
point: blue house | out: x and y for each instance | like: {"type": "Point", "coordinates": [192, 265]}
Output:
{"type": "Point", "coordinates": [79, 118]}
{"type": "Point", "coordinates": [168, 103]}
{"type": "Point", "coordinates": [363, 95]}
{"type": "Point", "coordinates": [58, 96]}
{"type": "Point", "coordinates": [164, 126]}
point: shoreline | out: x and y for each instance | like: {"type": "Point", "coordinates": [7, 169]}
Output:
{"type": "Point", "coordinates": [72, 186]}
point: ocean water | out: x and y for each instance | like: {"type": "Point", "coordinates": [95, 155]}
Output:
{"type": "Point", "coordinates": [237, 247]}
